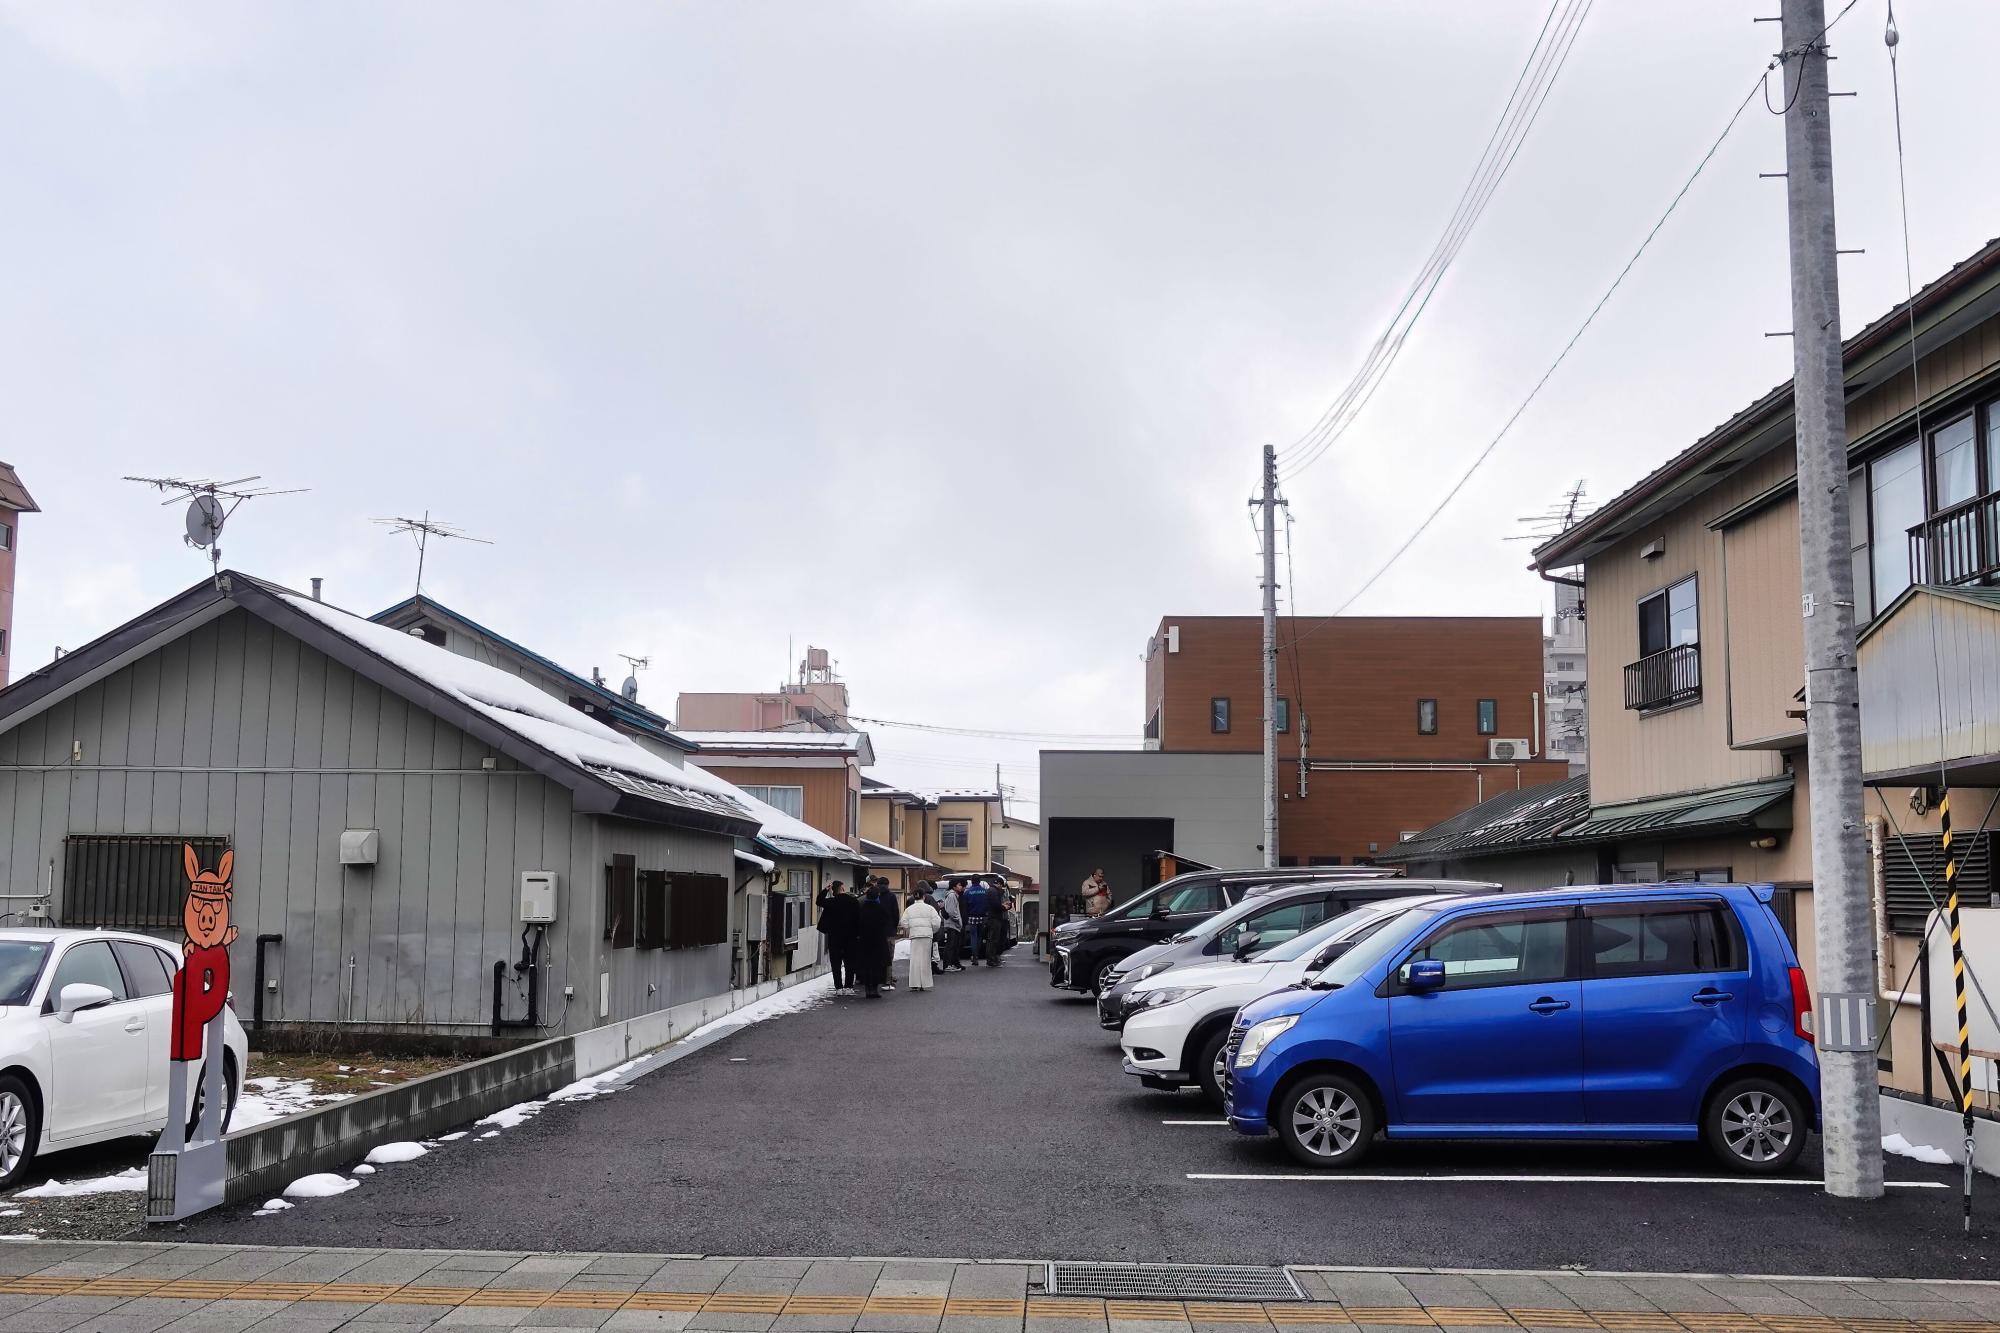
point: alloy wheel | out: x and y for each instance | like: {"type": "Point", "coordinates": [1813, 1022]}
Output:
{"type": "Point", "coordinates": [1757, 1126]}
{"type": "Point", "coordinates": [13, 1132]}
{"type": "Point", "coordinates": [1326, 1121]}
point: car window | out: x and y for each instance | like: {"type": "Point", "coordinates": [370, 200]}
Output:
{"type": "Point", "coordinates": [1662, 939]}
{"type": "Point", "coordinates": [1132, 907]}
{"type": "Point", "coordinates": [144, 966]}
{"type": "Point", "coordinates": [1194, 898]}
{"type": "Point", "coordinates": [20, 968]}
{"type": "Point", "coordinates": [1274, 925]}
{"type": "Point", "coordinates": [1504, 949]}
{"type": "Point", "coordinates": [89, 963]}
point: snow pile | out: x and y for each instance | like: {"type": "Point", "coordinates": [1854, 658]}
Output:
{"type": "Point", "coordinates": [512, 1117]}
{"type": "Point", "coordinates": [131, 1180]}
{"type": "Point", "coordinates": [362, 1170]}
{"type": "Point", "coordinates": [490, 1134]}
{"type": "Point", "coordinates": [452, 1137]}
{"type": "Point", "coordinates": [271, 1207]}
{"type": "Point", "coordinates": [1898, 1146]}
{"type": "Point", "coordinates": [266, 1099]}
{"type": "Point", "coordinates": [321, 1185]}
{"type": "Point", "coordinates": [395, 1152]}
{"type": "Point", "coordinates": [792, 1000]}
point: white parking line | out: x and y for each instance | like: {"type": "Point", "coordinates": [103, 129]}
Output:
{"type": "Point", "coordinates": [1194, 1122]}
{"type": "Point", "coordinates": [1349, 1177]}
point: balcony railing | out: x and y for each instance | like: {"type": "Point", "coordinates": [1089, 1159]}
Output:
{"type": "Point", "coordinates": [1958, 545]}
{"type": "Point", "coordinates": [1664, 679]}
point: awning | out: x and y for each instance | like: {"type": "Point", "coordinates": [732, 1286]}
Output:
{"type": "Point", "coordinates": [1763, 805]}
{"type": "Point", "coordinates": [888, 858]}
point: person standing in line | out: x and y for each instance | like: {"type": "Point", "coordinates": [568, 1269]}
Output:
{"type": "Point", "coordinates": [876, 929]}
{"type": "Point", "coordinates": [889, 937]}
{"type": "Point", "coordinates": [838, 917]}
{"type": "Point", "coordinates": [996, 925]}
{"type": "Point", "coordinates": [974, 904]}
{"type": "Point", "coordinates": [951, 940]}
{"type": "Point", "coordinates": [920, 923]}
{"type": "Point", "coordinates": [1096, 894]}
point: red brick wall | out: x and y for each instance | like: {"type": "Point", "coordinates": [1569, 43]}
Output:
{"type": "Point", "coordinates": [1343, 812]}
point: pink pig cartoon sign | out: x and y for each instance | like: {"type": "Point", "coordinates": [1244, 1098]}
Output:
{"type": "Point", "coordinates": [186, 1173]}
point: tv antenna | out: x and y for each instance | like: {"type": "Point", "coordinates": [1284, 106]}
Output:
{"type": "Point", "coordinates": [1568, 510]}
{"type": "Point", "coordinates": [422, 530]}
{"type": "Point", "coordinates": [210, 503]}
{"type": "Point", "coordinates": [630, 689]}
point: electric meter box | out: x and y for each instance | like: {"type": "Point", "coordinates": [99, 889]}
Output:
{"type": "Point", "coordinates": [538, 897]}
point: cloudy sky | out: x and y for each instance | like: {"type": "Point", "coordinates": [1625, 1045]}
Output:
{"type": "Point", "coordinates": [943, 334]}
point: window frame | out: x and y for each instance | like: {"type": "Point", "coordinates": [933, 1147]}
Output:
{"type": "Point", "coordinates": [1218, 711]}
{"type": "Point", "coordinates": [944, 845]}
{"type": "Point", "coordinates": [763, 791]}
{"type": "Point", "coordinates": [1284, 719]}
{"type": "Point", "coordinates": [1487, 717]}
{"type": "Point", "coordinates": [1664, 594]}
{"type": "Point", "coordinates": [1432, 729]}
{"type": "Point", "coordinates": [1712, 910]}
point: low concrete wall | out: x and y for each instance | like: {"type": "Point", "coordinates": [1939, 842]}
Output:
{"type": "Point", "coordinates": [263, 1160]}
{"type": "Point", "coordinates": [1935, 1127]}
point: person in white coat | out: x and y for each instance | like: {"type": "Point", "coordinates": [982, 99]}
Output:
{"type": "Point", "coordinates": [920, 923]}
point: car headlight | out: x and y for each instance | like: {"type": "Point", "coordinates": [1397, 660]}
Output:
{"type": "Point", "coordinates": [1155, 999]}
{"type": "Point", "coordinates": [1149, 970]}
{"type": "Point", "coordinates": [1260, 1036]}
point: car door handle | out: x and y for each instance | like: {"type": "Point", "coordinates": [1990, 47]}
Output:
{"type": "Point", "coordinates": [135, 1025]}
{"type": "Point", "coordinates": [1712, 996]}
{"type": "Point", "coordinates": [1548, 1004]}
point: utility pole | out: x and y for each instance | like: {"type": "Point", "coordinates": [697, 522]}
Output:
{"type": "Point", "coordinates": [1842, 912]}
{"type": "Point", "coordinates": [1269, 503]}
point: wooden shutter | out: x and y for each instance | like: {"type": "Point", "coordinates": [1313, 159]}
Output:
{"type": "Point", "coordinates": [699, 914]}
{"type": "Point", "coordinates": [622, 901]}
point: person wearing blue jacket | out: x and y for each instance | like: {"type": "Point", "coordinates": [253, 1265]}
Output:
{"type": "Point", "coordinates": [976, 904]}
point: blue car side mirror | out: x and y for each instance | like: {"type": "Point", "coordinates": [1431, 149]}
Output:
{"type": "Point", "coordinates": [1425, 974]}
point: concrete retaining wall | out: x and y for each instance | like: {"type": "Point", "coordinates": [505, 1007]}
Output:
{"type": "Point", "coordinates": [263, 1160]}
{"type": "Point", "coordinates": [1934, 1127]}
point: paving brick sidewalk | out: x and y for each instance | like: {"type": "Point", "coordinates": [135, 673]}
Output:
{"type": "Point", "coordinates": [49, 1287]}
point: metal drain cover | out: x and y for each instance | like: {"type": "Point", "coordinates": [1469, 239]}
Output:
{"type": "Point", "coordinates": [1173, 1282]}
{"type": "Point", "coordinates": [421, 1219]}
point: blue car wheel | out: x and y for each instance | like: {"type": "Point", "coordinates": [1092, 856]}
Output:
{"type": "Point", "coordinates": [1325, 1120]}
{"type": "Point", "coordinates": [1756, 1125]}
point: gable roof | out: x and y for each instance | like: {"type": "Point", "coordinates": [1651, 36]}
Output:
{"type": "Point", "coordinates": [607, 773]}
{"type": "Point", "coordinates": [786, 835]}
{"type": "Point", "coordinates": [633, 714]}
{"type": "Point", "coordinates": [13, 495]}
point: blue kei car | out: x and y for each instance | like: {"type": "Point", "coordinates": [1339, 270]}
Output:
{"type": "Point", "coordinates": [1674, 1011]}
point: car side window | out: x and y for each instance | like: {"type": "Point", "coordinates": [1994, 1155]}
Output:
{"type": "Point", "coordinates": [144, 966]}
{"type": "Point", "coordinates": [89, 963]}
{"type": "Point", "coordinates": [1195, 898]}
{"type": "Point", "coordinates": [1275, 925]}
{"type": "Point", "coordinates": [1503, 949]}
{"type": "Point", "coordinates": [1662, 939]}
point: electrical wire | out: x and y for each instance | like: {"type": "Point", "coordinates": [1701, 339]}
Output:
{"type": "Point", "coordinates": [1538, 76]}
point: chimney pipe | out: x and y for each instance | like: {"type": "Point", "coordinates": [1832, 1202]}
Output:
{"type": "Point", "coordinates": [316, 582]}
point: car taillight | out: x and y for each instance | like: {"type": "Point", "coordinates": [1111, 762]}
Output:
{"type": "Point", "coordinates": [1802, 1015]}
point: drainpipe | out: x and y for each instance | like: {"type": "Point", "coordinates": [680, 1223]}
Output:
{"type": "Point", "coordinates": [1885, 941]}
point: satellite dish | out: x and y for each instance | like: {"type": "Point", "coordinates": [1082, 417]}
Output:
{"type": "Point", "coordinates": [630, 689]}
{"type": "Point", "coordinates": [204, 520]}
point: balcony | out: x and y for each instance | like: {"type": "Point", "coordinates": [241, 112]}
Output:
{"type": "Point", "coordinates": [1958, 545]}
{"type": "Point", "coordinates": [1664, 680]}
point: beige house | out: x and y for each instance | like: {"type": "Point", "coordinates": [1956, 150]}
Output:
{"type": "Point", "coordinates": [1691, 585]}
{"type": "Point", "coordinates": [949, 829]}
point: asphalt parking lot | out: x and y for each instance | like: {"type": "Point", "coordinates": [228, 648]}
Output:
{"type": "Point", "coordinates": [989, 1119]}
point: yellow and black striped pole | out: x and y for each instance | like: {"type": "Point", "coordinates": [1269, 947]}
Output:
{"type": "Point", "coordinates": [1958, 993]}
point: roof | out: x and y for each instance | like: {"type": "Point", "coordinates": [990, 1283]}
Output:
{"type": "Point", "coordinates": [785, 742]}
{"type": "Point", "coordinates": [752, 859]}
{"type": "Point", "coordinates": [1984, 597]}
{"type": "Point", "coordinates": [13, 495]}
{"type": "Point", "coordinates": [885, 857]}
{"type": "Point", "coordinates": [628, 711]}
{"type": "Point", "coordinates": [928, 797]}
{"type": "Point", "coordinates": [608, 773]}
{"type": "Point", "coordinates": [778, 832]}
{"type": "Point", "coordinates": [1950, 303]}
{"type": "Point", "coordinates": [1514, 820]}
{"type": "Point", "coordinates": [1702, 811]}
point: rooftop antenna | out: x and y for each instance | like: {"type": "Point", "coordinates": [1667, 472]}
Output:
{"type": "Point", "coordinates": [1568, 510]}
{"type": "Point", "coordinates": [210, 503]}
{"type": "Point", "coordinates": [422, 530]}
{"type": "Point", "coordinates": [630, 689]}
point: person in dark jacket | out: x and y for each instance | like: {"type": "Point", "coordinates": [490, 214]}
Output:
{"type": "Point", "coordinates": [997, 926]}
{"type": "Point", "coordinates": [839, 924]}
{"type": "Point", "coordinates": [875, 939]}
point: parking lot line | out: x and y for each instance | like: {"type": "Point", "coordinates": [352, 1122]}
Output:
{"type": "Point", "coordinates": [1194, 1122]}
{"type": "Point", "coordinates": [1353, 1177]}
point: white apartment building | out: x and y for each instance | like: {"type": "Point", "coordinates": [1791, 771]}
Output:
{"type": "Point", "coordinates": [1565, 718]}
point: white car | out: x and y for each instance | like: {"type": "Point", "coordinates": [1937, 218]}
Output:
{"type": "Point", "coordinates": [85, 1022]}
{"type": "Point", "coordinates": [1180, 1019]}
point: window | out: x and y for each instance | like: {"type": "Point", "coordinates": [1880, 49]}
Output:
{"type": "Point", "coordinates": [954, 835]}
{"type": "Point", "coordinates": [1191, 898]}
{"type": "Point", "coordinates": [621, 901]}
{"type": "Point", "coordinates": [1507, 949]}
{"type": "Point", "coordinates": [1662, 939]}
{"type": "Point", "coordinates": [1275, 925]}
{"type": "Point", "coordinates": [650, 924]}
{"type": "Point", "coordinates": [1322, 860]}
{"type": "Point", "coordinates": [129, 883]}
{"type": "Point", "coordinates": [697, 910]}
{"type": "Point", "coordinates": [798, 902]}
{"type": "Point", "coordinates": [432, 635]}
{"type": "Point", "coordinates": [6, 536]}
{"type": "Point", "coordinates": [88, 964]}
{"type": "Point", "coordinates": [1218, 716]}
{"type": "Point", "coordinates": [1152, 732]}
{"type": "Point", "coordinates": [3, 643]}
{"type": "Point", "coordinates": [1427, 717]}
{"type": "Point", "coordinates": [1895, 505]}
{"type": "Point", "coordinates": [1284, 721]}
{"type": "Point", "coordinates": [785, 800]}
{"type": "Point", "coordinates": [20, 968]}
{"type": "Point", "coordinates": [1669, 619]}
{"type": "Point", "coordinates": [145, 968]}
{"type": "Point", "coordinates": [1857, 524]}
{"type": "Point", "coordinates": [1489, 717]}
{"type": "Point", "coordinates": [1954, 463]}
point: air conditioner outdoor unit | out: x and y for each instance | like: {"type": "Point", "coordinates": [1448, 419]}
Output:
{"type": "Point", "coordinates": [1516, 749]}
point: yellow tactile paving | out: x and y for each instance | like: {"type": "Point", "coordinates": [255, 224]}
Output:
{"type": "Point", "coordinates": [1311, 1312]}
{"type": "Point", "coordinates": [1159, 1311]}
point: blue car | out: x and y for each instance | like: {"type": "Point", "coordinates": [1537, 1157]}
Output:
{"type": "Point", "coordinates": [1661, 1012]}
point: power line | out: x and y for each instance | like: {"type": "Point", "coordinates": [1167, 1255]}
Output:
{"type": "Point", "coordinates": [1545, 62]}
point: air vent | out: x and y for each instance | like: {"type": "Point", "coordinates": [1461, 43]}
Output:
{"type": "Point", "coordinates": [1173, 1282]}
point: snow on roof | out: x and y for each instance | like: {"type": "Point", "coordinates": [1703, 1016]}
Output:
{"type": "Point", "coordinates": [538, 718]}
{"type": "Point", "coordinates": [843, 741]}
{"type": "Point", "coordinates": [947, 794]}
{"type": "Point", "coordinates": [752, 859]}
{"type": "Point", "coordinates": [780, 832]}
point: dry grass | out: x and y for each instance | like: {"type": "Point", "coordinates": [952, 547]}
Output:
{"type": "Point", "coordinates": [353, 1072]}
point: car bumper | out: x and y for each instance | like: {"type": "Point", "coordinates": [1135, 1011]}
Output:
{"type": "Point", "coordinates": [1112, 1010]}
{"type": "Point", "coordinates": [1059, 967]}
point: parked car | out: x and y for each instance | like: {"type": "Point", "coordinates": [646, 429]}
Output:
{"type": "Point", "coordinates": [1660, 1012]}
{"type": "Point", "coordinates": [1178, 1024]}
{"type": "Point", "coordinates": [1268, 915]}
{"type": "Point", "coordinates": [1079, 951]}
{"type": "Point", "coordinates": [85, 1023]}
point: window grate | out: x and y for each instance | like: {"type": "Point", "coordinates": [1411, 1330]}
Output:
{"type": "Point", "coordinates": [130, 883]}
{"type": "Point", "coordinates": [1903, 883]}
{"type": "Point", "coordinates": [1203, 1282]}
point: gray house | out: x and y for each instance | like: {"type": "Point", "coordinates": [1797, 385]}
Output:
{"type": "Point", "coordinates": [424, 843]}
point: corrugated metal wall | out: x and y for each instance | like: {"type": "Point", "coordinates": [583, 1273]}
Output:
{"type": "Point", "coordinates": [1900, 699]}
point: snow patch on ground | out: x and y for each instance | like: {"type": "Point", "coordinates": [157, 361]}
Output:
{"type": "Point", "coordinates": [22, 1235]}
{"type": "Point", "coordinates": [792, 1000]}
{"type": "Point", "coordinates": [1898, 1146]}
{"type": "Point", "coordinates": [132, 1180]}
{"type": "Point", "coordinates": [490, 1134]}
{"type": "Point", "coordinates": [512, 1117]}
{"type": "Point", "coordinates": [395, 1152]}
{"type": "Point", "coordinates": [452, 1137]}
{"type": "Point", "coordinates": [363, 1170]}
{"type": "Point", "coordinates": [271, 1207]}
{"type": "Point", "coordinates": [267, 1099]}
{"type": "Point", "coordinates": [320, 1185]}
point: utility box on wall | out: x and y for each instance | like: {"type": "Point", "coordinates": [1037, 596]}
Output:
{"type": "Point", "coordinates": [360, 846]}
{"type": "Point", "coordinates": [538, 897]}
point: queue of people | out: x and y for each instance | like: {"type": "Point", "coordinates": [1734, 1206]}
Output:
{"type": "Point", "coordinates": [946, 925]}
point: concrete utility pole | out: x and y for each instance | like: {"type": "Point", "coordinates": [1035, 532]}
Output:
{"type": "Point", "coordinates": [1269, 502]}
{"type": "Point", "coordinates": [1842, 912]}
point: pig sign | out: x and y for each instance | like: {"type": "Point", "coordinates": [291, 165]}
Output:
{"type": "Point", "coordinates": [185, 1174]}
{"type": "Point", "coordinates": [201, 987]}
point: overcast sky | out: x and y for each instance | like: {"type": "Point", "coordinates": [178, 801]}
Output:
{"type": "Point", "coordinates": [943, 335]}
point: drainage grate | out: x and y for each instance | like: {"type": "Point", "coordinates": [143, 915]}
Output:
{"type": "Point", "coordinates": [1173, 1282]}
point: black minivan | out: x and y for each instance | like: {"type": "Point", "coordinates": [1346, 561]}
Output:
{"type": "Point", "coordinates": [1079, 951]}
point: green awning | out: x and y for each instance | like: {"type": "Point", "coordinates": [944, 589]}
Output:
{"type": "Point", "coordinates": [1763, 805]}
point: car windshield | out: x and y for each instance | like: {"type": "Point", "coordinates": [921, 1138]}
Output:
{"type": "Point", "coordinates": [1310, 942]}
{"type": "Point", "coordinates": [20, 968]}
{"type": "Point", "coordinates": [1372, 950]}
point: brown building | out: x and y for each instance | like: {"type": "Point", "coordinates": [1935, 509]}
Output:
{"type": "Point", "coordinates": [1403, 720]}
{"type": "Point", "coordinates": [14, 502]}
{"type": "Point", "coordinates": [816, 699]}
{"type": "Point", "coordinates": [810, 775]}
